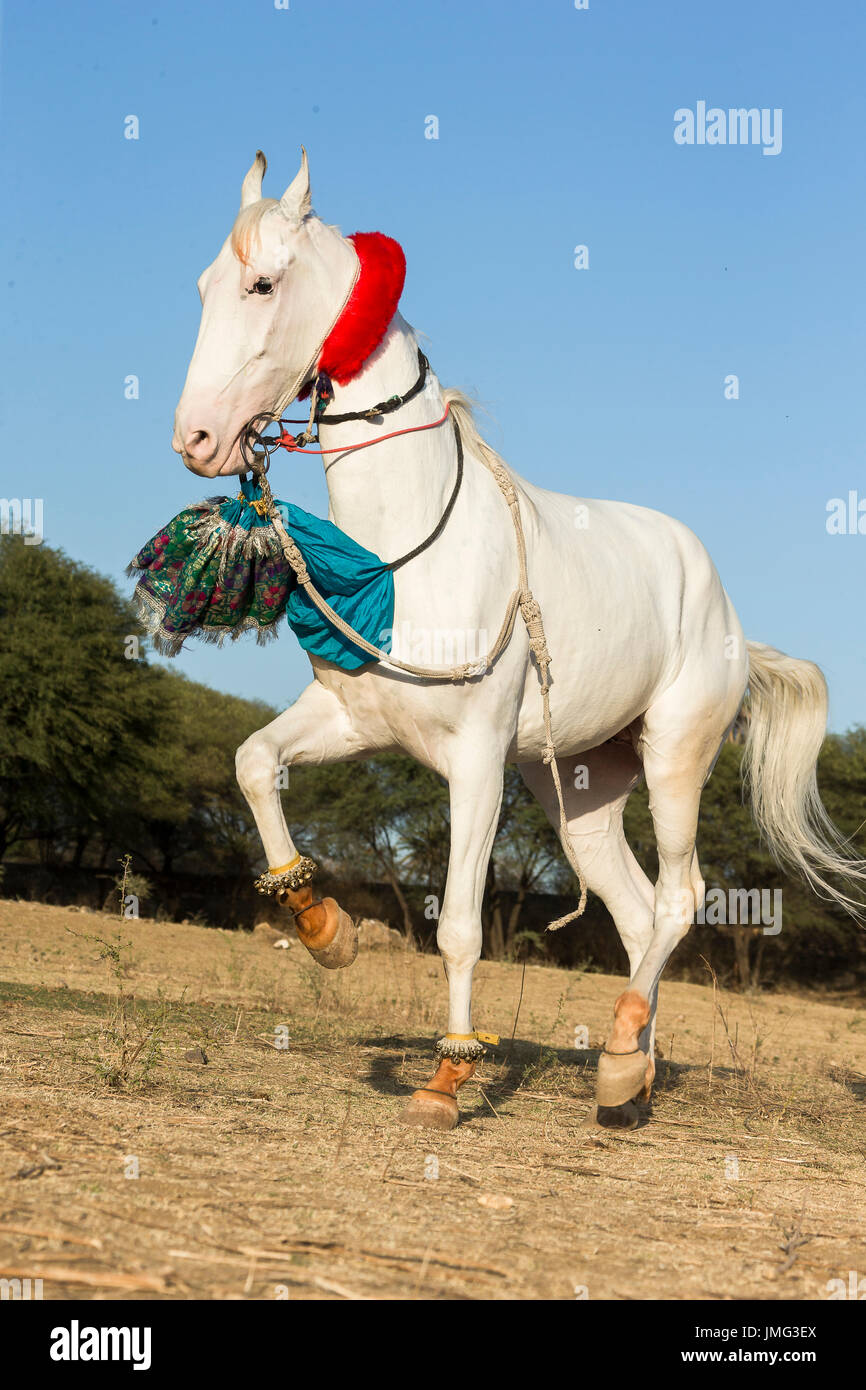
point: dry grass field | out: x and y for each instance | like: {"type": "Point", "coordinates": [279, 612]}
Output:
{"type": "Point", "coordinates": [270, 1171]}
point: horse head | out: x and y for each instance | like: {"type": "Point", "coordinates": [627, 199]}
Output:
{"type": "Point", "coordinates": [268, 301]}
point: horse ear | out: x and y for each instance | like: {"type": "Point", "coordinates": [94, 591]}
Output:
{"type": "Point", "coordinates": [295, 202]}
{"type": "Point", "coordinates": [251, 188]}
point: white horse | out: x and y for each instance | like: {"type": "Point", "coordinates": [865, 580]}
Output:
{"type": "Point", "coordinates": [649, 664]}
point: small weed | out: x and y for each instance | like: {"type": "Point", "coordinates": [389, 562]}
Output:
{"type": "Point", "coordinates": [128, 1052]}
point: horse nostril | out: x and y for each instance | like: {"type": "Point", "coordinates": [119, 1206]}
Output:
{"type": "Point", "coordinates": [199, 444]}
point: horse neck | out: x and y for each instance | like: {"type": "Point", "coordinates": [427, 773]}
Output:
{"type": "Point", "coordinates": [390, 496]}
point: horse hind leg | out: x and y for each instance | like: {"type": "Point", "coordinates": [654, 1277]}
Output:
{"type": "Point", "coordinates": [596, 786]}
{"type": "Point", "coordinates": [679, 743]}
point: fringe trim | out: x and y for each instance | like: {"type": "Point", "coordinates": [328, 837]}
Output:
{"type": "Point", "coordinates": [151, 613]}
{"type": "Point", "coordinates": [261, 542]}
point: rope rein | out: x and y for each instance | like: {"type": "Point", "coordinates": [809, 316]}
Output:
{"type": "Point", "coordinates": [521, 598]}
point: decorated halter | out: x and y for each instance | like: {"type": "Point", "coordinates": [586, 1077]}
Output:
{"type": "Point", "coordinates": [354, 336]}
{"type": "Point", "coordinates": [357, 331]}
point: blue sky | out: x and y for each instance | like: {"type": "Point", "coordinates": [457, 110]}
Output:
{"type": "Point", "coordinates": [555, 129]}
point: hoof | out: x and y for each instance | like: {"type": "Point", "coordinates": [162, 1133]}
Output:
{"type": "Point", "coordinates": [339, 934]}
{"type": "Point", "coordinates": [430, 1110]}
{"type": "Point", "coordinates": [621, 1077]}
{"type": "Point", "coordinates": [617, 1116]}
{"type": "Point", "coordinates": [646, 1090]}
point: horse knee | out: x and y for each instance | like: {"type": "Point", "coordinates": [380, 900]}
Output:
{"type": "Point", "coordinates": [459, 942]}
{"type": "Point", "coordinates": [255, 767]}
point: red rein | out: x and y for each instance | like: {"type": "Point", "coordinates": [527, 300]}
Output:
{"type": "Point", "coordinates": [288, 441]}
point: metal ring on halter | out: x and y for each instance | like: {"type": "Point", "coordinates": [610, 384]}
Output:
{"type": "Point", "coordinates": [258, 460]}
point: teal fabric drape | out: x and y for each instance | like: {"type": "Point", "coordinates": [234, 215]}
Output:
{"type": "Point", "coordinates": [217, 570]}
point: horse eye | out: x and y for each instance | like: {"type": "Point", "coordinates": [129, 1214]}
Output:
{"type": "Point", "coordinates": [262, 286]}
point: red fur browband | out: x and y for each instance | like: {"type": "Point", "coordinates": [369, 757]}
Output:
{"type": "Point", "coordinates": [372, 304]}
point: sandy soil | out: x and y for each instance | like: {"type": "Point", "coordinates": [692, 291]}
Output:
{"type": "Point", "coordinates": [131, 1167]}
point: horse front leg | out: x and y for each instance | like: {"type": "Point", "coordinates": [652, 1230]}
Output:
{"type": "Point", "coordinates": [475, 788]}
{"type": "Point", "coordinates": [316, 729]}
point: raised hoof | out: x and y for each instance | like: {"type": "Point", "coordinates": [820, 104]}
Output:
{"type": "Point", "coordinates": [430, 1110]}
{"type": "Point", "coordinates": [342, 948]}
{"type": "Point", "coordinates": [617, 1116]}
{"type": "Point", "coordinates": [621, 1077]}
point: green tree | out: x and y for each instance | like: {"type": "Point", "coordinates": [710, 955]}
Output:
{"type": "Point", "coordinates": [189, 811]}
{"type": "Point", "coordinates": [73, 711]}
{"type": "Point", "coordinates": [366, 817]}
{"type": "Point", "coordinates": [527, 858]}
{"type": "Point", "coordinates": [817, 937]}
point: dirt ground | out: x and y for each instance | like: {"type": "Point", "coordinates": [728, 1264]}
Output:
{"type": "Point", "coordinates": [131, 1167]}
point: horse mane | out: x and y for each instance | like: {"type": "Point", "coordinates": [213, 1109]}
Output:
{"type": "Point", "coordinates": [463, 412]}
{"type": "Point", "coordinates": [247, 225]}
{"type": "Point", "coordinates": [246, 230]}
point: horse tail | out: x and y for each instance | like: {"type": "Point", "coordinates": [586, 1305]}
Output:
{"type": "Point", "coordinates": [786, 729]}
